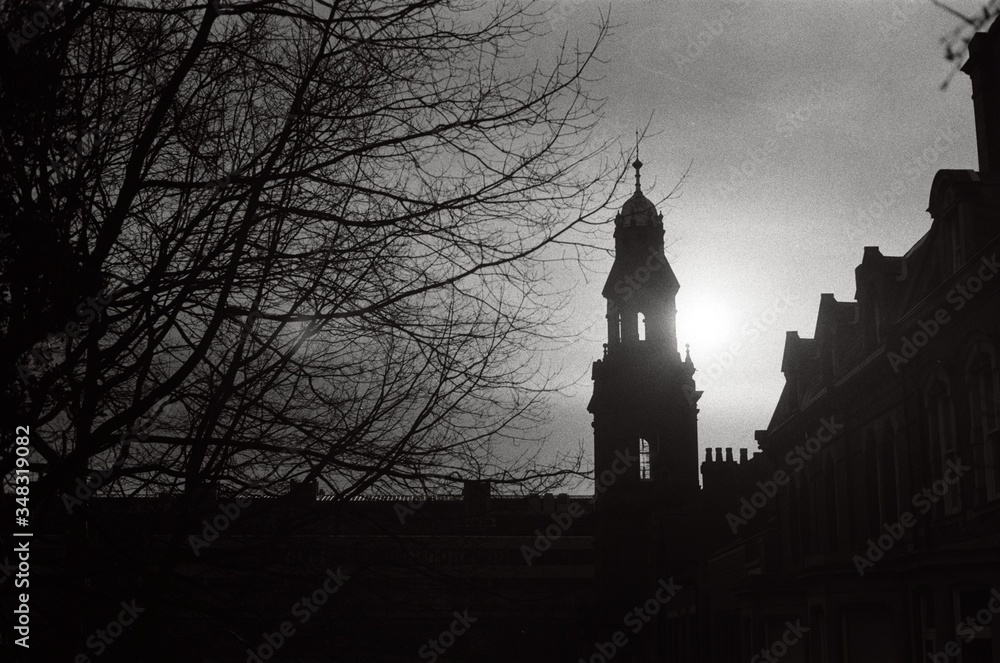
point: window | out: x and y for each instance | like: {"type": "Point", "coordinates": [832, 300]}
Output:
{"type": "Point", "coordinates": [641, 321]}
{"type": "Point", "coordinates": [969, 602]}
{"type": "Point", "coordinates": [878, 319]}
{"type": "Point", "coordinates": [888, 505]}
{"type": "Point", "coordinates": [873, 319]}
{"type": "Point", "coordinates": [830, 495]}
{"type": "Point", "coordinates": [644, 455]}
{"type": "Point", "coordinates": [925, 608]}
{"type": "Point", "coordinates": [993, 465]}
{"type": "Point", "coordinates": [873, 510]}
{"type": "Point", "coordinates": [941, 438]}
{"type": "Point", "coordinates": [810, 535]}
{"type": "Point", "coordinates": [957, 242]}
{"type": "Point", "coordinates": [984, 408]}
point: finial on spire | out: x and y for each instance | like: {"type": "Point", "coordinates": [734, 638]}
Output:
{"type": "Point", "coordinates": [637, 164]}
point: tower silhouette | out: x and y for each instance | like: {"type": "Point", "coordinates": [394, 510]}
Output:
{"type": "Point", "coordinates": [645, 413]}
{"type": "Point", "coordinates": [644, 401]}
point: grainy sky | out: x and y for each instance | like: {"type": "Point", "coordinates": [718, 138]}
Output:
{"type": "Point", "coordinates": [797, 117]}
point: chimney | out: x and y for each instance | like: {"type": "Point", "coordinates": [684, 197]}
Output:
{"type": "Point", "coordinates": [743, 455]}
{"type": "Point", "coordinates": [983, 67]}
{"type": "Point", "coordinates": [476, 495]}
{"type": "Point", "coordinates": [300, 494]}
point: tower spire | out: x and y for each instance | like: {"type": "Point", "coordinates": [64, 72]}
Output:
{"type": "Point", "coordinates": [637, 164]}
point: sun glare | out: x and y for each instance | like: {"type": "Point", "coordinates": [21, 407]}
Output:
{"type": "Point", "coordinates": [705, 323]}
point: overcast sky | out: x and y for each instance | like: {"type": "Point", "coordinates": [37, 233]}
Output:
{"type": "Point", "coordinates": [797, 117]}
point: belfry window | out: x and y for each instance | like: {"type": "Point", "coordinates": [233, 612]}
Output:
{"type": "Point", "coordinates": [644, 466]}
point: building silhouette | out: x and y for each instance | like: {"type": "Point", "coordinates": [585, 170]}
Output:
{"type": "Point", "coordinates": [864, 528]}
{"type": "Point", "coordinates": [884, 539]}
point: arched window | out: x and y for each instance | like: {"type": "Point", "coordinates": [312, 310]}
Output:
{"type": "Point", "coordinates": [645, 469]}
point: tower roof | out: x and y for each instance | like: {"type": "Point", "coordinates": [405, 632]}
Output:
{"type": "Point", "coordinates": [638, 210]}
{"type": "Point", "coordinates": [639, 248]}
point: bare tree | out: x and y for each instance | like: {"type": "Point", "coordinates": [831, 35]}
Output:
{"type": "Point", "coordinates": [956, 42]}
{"type": "Point", "coordinates": [258, 244]}
{"type": "Point", "coordinates": [319, 230]}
